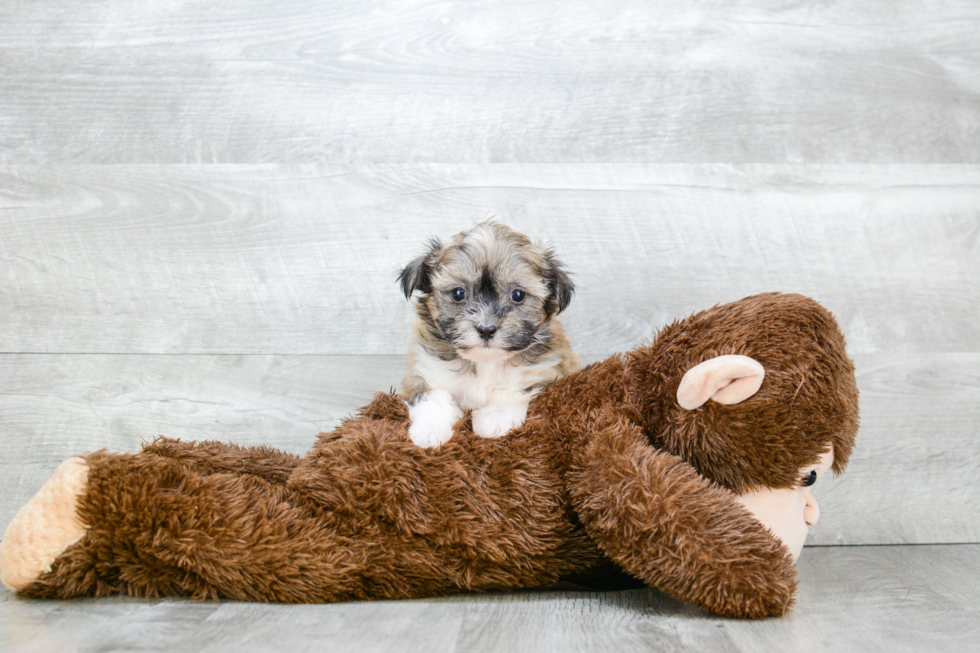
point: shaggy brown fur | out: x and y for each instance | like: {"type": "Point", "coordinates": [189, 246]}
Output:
{"type": "Point", "coordinates": [604, 468]}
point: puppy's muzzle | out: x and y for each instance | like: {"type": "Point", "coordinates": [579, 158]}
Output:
{"type": "Point", "coordinates": [486, 331]}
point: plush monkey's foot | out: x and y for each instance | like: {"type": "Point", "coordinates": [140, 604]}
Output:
{"type": "Point", "coordinates": [45, 527]}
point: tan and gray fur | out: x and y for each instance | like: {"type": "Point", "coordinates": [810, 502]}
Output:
{"type": "Point", "coordinates": [486, 337]}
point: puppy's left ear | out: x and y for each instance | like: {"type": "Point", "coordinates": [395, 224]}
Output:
{"type": "Point", "coordinates": [559, 284]}
{"type": "Point", "coordinates": [417, 275]}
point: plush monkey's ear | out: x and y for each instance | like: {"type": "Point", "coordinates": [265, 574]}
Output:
{"type": "Point", "coordinates": [417, 275]}
{"type": "Point", "coordinates": [559, 284]}
{"type": "Point", "coordinates": [726, 379]}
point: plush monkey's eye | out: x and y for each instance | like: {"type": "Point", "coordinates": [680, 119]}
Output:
{"type": "Point", "coordinates": [809, 479]}
{"type": "Point", "coordinates": [458, 294]}
{"type": "Point", "coordinates": [518, 296]}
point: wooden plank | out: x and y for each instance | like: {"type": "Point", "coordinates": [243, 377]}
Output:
{"type": "Point", "coordinates": [302, 259]}
{"type": "Point", "coordinates": [906, 598]}
{"type": "Point", "coordinates": [913, 476]}
{"type": "Point", "coordinates": [113, 82]}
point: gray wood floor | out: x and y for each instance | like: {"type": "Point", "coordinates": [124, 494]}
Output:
{"type": "Point", "coordinates": [203, 209]}
{"type": "Point", "coordinates": [896, 599]}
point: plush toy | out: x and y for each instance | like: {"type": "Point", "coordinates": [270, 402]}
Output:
{"type": "Point", "coordinates": [686, 462]}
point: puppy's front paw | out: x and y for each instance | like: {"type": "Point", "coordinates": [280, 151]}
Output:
{"type": "Point", "coordinates": [494, 420]}
{"type": "Point", "coordinates": [433, 418]}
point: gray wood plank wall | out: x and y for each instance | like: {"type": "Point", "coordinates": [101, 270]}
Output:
{"type": "Point", "coordinates": [203, 209]}
{"type": "Point", "coordinates": [884, 81]}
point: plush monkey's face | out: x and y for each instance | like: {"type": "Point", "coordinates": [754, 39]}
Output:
{"type": "Point", "coordinates": [790, 512]}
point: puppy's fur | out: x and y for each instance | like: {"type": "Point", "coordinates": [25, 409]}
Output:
{"type": "Point", "coordinates": [485, 337]}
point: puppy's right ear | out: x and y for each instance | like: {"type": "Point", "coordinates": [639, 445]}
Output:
{"type": "Point", "coordinates": [417, 275]}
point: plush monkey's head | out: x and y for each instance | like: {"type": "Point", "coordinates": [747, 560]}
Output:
{"type": "Point", "coordinates": [758, 395]}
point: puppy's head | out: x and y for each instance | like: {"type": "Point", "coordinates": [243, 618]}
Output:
{"type": "Point", "coordinates": [488, 295]}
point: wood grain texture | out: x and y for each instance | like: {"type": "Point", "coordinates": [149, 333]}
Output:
{"type": "Point", "coordinates": [913, 477]}
{"type": "Point", "coordinates": [533, 81]}
{"type": "Point", "coordinates": [303, 259]}
{"type": "Point", "coordinates": [896, 599]}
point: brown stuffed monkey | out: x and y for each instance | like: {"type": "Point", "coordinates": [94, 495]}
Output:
{"type": "Point", "coordinates": [686, 462]}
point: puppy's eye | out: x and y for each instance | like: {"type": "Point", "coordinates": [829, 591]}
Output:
{"type": "Point", "coordinates": [518, 296]}
{"type": "Point", "coordinates": [809, 479]}
{"type": "Point", "coordinates": [458, 294]}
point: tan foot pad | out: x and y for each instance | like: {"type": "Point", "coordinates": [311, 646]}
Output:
{"type": "Point", "coordinates": [45, 527]}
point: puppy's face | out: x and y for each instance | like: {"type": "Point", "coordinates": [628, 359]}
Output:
{"type": "Point", "coordinates": [486, 296]}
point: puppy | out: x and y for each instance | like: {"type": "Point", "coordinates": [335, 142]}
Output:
{"type": "Point", "coordinates": [485, 337]}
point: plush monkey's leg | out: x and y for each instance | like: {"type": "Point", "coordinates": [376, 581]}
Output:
{"type": "Point", "coordinates": [654, 515]}
{"type": "Point", "coordinates": [209, 457]}
{"type": "Point", "coordinates": [46, 526]}
{"type": "Point", "coordinates": [154, 527]}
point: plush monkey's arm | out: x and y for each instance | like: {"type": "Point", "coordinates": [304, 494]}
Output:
{"type": "Point", "coordinates": [655, 516]}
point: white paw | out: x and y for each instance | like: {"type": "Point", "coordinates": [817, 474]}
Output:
{"type": "Point", "coordinates": [433, 418]}
{"type": "Point", "coordinates": [494, 420]}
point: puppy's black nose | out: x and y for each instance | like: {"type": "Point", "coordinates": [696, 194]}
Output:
{"type": "Point", "coordinates": [486, 331]}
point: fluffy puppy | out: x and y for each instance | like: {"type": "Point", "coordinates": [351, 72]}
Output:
{"type": "Point", "coordinates": [485, 337]}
